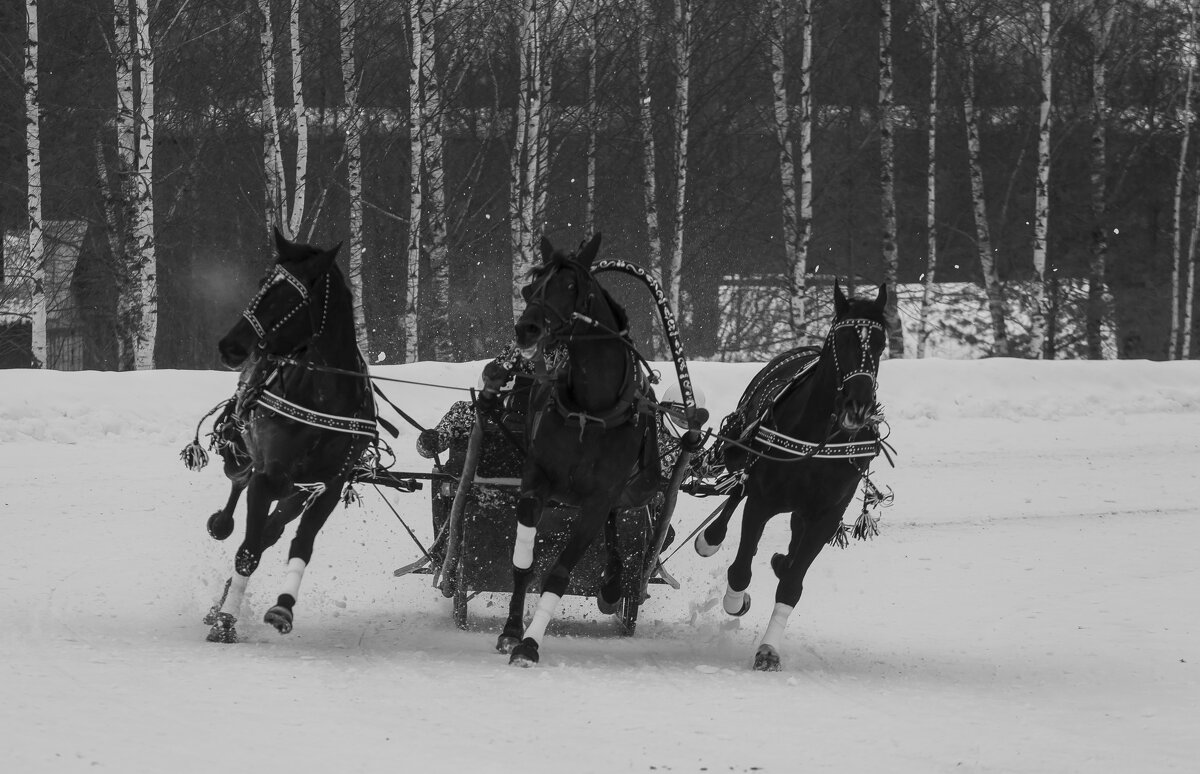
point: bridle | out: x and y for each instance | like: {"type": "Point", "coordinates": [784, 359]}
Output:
{"type": "Point", "coordinates": [563, 324]}
{"type": "Point", "coordinates": [305, 300]}
{"type": "Point", "coordinates": [868, 362]}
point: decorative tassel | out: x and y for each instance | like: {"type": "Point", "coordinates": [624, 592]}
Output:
{"type": "Point", "coordinates": [866, 526]}
{"type": "Point", "coordinates": [839, 538]}
{"type": "Point", "coordinates": [351, 495]}
{"type": "Point", "coordinates": [194, 456]}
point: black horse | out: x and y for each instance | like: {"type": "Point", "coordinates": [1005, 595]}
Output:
{"type": "Point", "coordinates": [811, 419]}
{"type": "Point", "coordinates": [584, 432]}
{"type": "Point", "coordinates": [298, 425]}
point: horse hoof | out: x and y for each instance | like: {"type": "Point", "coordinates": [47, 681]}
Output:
{"type": "Point", "coordinates": [608, 601]}
{"type": "Point", "coordinates": [220, 526]}
{"type": "Point", "coordinates": [210, 617]}
{"type": "Point", "coordinates": [606, 607]}
{"type": "Point", "coordinates": [506, 643]}
{"type": "Point", "coordinates": [745, 608]}
{"type": "Point", "coordinates": [525, 654]}
{"type": "Point", "coordinates": [279, 617]}
{"type": "Point", "coordinates": [766, 659]}
{"type": "Point", "coordinates": [222, 629]}
{"type": "Point", "coordinates": [703, 548]}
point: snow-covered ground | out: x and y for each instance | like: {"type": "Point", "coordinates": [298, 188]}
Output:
{"type": "Point", "coordinates": [1026, 608]}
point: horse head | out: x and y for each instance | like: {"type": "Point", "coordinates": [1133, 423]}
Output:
{"type": "Point", "coordinates": [558, 289]}
{"type": "Point", "coordinates": [856, 341]}
{"type": "Point", "coordinates": [290, 308]}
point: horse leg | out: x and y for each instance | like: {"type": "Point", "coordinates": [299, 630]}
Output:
{"type": "Point", "coordinates": [529, 511]}
{"type": "Point", "coordinates": [754, 519]}
{"type": "Point", "coordinates": [591, 521]}
{"type": "Point", "coordinates": [261, 490]}
{"type": "Point", "coordinates": [807, 541]}
{"type": "Point", "coordinates": [280, 616]}
{"type": "Point", "coordinates": [708, 541]}
{"type": "Point", "coordinates": [220, 524]}
{"type": "Point", "coordinates": [610, 584]}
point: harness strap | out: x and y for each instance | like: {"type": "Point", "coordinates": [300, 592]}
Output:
{"type": "Point", "coordinates": [285, 408]}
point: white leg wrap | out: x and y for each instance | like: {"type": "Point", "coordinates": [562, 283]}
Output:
{"type": "Point", "coordinates": [237, 590]}
{"type": "Point", "coordinates": [545, 611]}
{"type": "Point", "coordinates": [733, 600]}
{"type": "Point", "coordinates": [523, 550]}
{"type": "Point", "coordinates": [295, 573]}
{"type": "Point", "coordinates": [779, 619]}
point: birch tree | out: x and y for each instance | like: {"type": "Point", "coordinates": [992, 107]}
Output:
{"type": "Point", "coordinates": [33, 182]}
{"type": "Point", "coordinates": [592, 11]}
{"type": "Point", "coordinates": [1041, 202]}
{"type": "Point", "coordinates": [931, 229]}
{"type": "Point", "coordinates": [672, 268]}
{"type": "Point", "coordinates": [1180, 176]}
{"type": "Point", "coordinates": [300, 117]}
{"type": "Point", "coordinates": [523, 161]}
{"type": "Point", "coordinates": [143, 233]}
{"type": "Point", "coordinates": [348, 21]}
{"type": "Point", "coordinates": [1101, 22]}
{"type": "Point", "coordinates": [887, 182]}
{"type": "Point", "coordinates": [646, 132]}
{"type": "Point", "coordinates": [276, 192]}
{"type": "Point", "coordinates": [128, 290]}
{"type": "Point", "coordinates": [434, 163]}
{"type": "Point", "coordinates": [415, 202]}
{"type": "Point", "coordinates": [794, 243]}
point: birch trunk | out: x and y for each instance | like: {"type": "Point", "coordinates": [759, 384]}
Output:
{"type": "Point", "coordinates": [415, 203]}
{"type": "Point", "coordinates": [593, 113]}
{"type": "Point", "coordinates": [1180, 177]}
{"type": "Point", "coordinates": [434, 160]}
{"type": "Point", "coordinates": [33, 190]}
{"type": "Point", "coordinates": [646, 129]}
{"type": "Point", "coordinates": [1097, 304]}
{"type": "Point", "coordinates": [987, 261]}
{"type": "Point", "coordinates": [887, 182]}
{"type": "Point", "coordinates": [143, 234]}
{"type": "Point", "coordinates": [1041, 205]}
{"type": "Point", "coordinates": [348, 19]}
{"type": "Point", "coordinates": [128, 293]}
{"type": "Point", "coordinates": [538, 150]}
{"type": "Point", "coordinates": [782, 117]}
{"type": "Point", "coordinates": [272, 153]}
{"type": "Point", "coordinates": [523, 160]}
{"type": "Point", "coordinates": [805, 172]}
{"type": "Point", "coordinates": [930, 185]}
{"type": "Point", "coordinates": [301, 119]}
{"type": "Point", "coordinates": [673, 267]}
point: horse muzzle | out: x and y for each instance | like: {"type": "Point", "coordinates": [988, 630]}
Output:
{"type": "Point", "coordinates": [233, 353]}
{"type": "Point", "coordinates": [528, 334]}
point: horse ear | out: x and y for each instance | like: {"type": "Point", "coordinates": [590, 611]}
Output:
{"type": "Point", "coordinates": [588, 253]}
{"type": "Point", "coordinates": [840, 304]}
{"type": "Point", "coordinates": [281, 242]}
{"type": "Point", "coordinates": [881, 300]}
{"type": "Point", "coordinates": [547, 249]}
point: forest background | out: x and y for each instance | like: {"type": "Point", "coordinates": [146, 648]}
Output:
{"type": "Point", "coordinates": [1036, 148]}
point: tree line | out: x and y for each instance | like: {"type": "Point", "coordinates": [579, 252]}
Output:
{"type": "Point", "coordinates": [1035, 147]}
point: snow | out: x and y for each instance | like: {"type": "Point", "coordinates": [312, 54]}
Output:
{"type": "Point", "coordinates": [1023, 610]}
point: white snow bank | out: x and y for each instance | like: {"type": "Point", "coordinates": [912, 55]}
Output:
{"type": "Point", "coordinates": [164, 406]}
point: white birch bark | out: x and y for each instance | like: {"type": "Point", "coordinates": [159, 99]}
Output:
{"type": "Point", "coordinates": [1185, 339]}
{"type": "Point", "coordinates": [523, 162]}
{"type": "Point", "coordinates": [128, 292]}
{"type": "Point", "coordinates": [415, 202]}
{"type": "Point", "coordinates": [592, 36]}
{"type": "Point", "coordinates": [33, 190]}
{"type": "Point", "coordinates": [537, 150]}
{"type": "Point", "coordinates": [143, 234]}
{"type": "Point", "coordinates": [987, 261]}
{"type": "Point", "coordinates": [1041, 205]}
{"type": "Point", "coordinates": [646, 130]}
{"type": "Point", "coordinates": [434, 161]}
{"type": "Point", "coordinates": [1180, 177]}
{"type": "Point", "coordinates": [930, 185]}
{"type": "Point", "coordinates": [805, 172]}
{"type": "Point", "coordinates": [673, 267]}
{"type": "Point", "coordinates": [348, 21]}
{"type": "Point", "coordinates": [782, 119]}
{"type": "Point", "coordinates": [887, 181]}
{"type": "Point", "coordinates": [272, 153]}
{"type": "Point", "coordinates": [301, 119]}
{"type": "Point", "coordinates": [1098, 301]}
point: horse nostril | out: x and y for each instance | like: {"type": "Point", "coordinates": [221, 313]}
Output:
{"type": "Point", "coordinates": [232, 353]}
